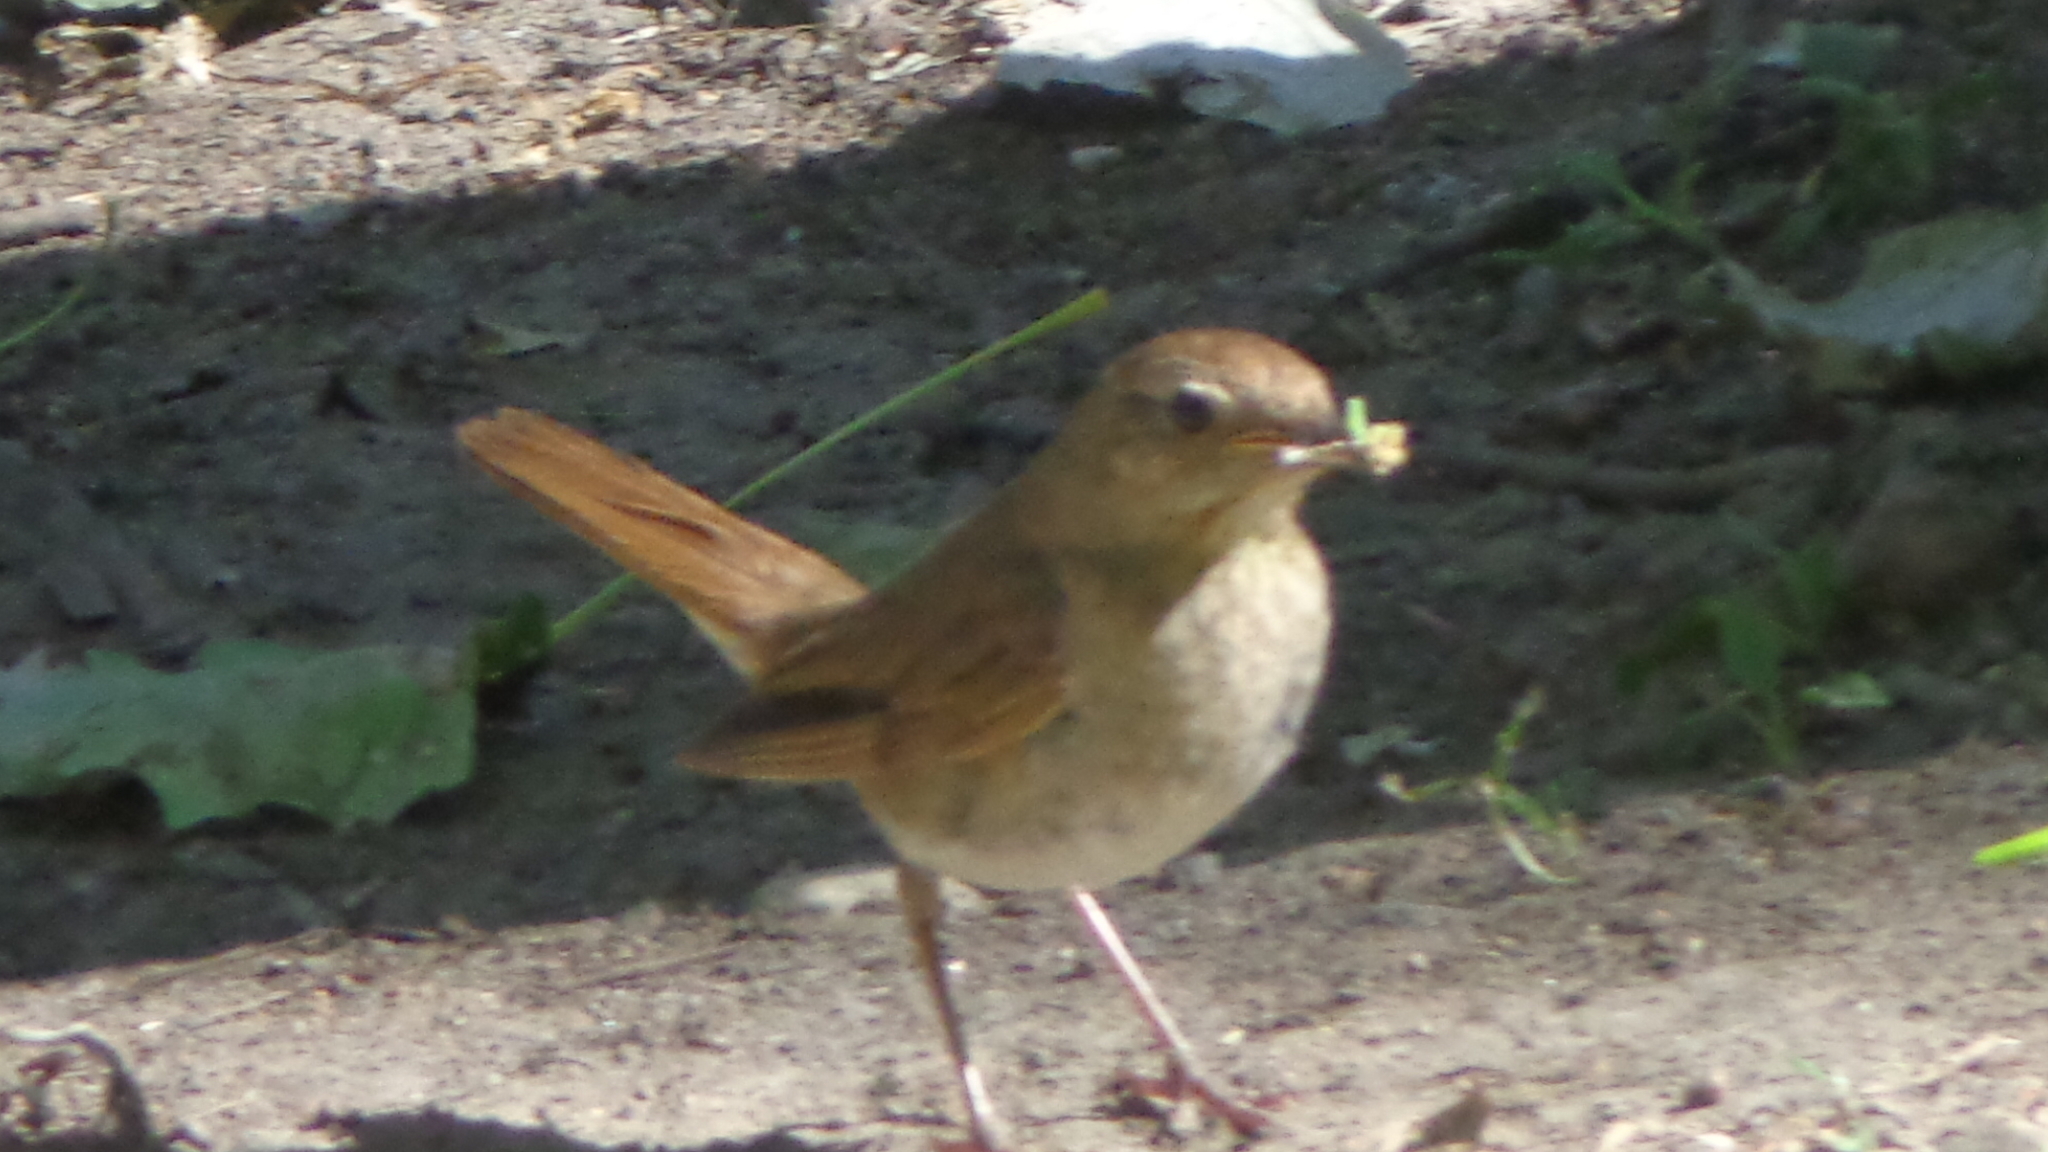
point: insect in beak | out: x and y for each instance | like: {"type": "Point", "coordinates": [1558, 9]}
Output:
{"type": "Point", "coordinates": [1379, 447]}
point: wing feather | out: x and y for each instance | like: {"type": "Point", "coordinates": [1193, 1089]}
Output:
{"type": "Point", "coordinates": [959, 658]}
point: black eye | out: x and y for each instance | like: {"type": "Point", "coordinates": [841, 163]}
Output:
{"type": "Point", "coordinates": [1194, 406]}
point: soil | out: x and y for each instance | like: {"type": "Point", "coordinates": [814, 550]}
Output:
{"type": "Point", "coordinates": [711, 246]}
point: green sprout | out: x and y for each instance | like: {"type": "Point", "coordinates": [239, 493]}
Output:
{"type": "Point", "coordinates": [1357, 424]}
{"type": "Point", "coordinates": [1508, 808]}
{"type": "Point", "coordinates": [1757, 638]}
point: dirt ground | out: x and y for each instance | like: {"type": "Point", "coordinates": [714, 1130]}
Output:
{"type": "Point", "coordinates": [711, 246]}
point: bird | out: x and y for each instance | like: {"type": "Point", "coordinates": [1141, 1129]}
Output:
{"type": "Point", "coordinates": [1071, 687]}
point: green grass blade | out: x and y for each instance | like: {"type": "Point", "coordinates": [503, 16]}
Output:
{"type": "Point", "coordinates": [70, 299]}
{"type": "Point", "coordinates": [1074, 311]}
{"type": "Point", "coordinates": [2025, 847]}
{"type": "Point", "coordinates": [1079, 309]}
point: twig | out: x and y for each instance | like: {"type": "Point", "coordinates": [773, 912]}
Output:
{"type": "Point", "coordinates": [628, 975]}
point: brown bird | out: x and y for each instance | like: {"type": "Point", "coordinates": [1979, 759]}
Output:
{"type": "Point", "coordinates": [1072, 687]}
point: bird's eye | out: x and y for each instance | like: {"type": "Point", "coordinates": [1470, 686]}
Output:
{"type": "Point", "coordinates": [1194, 406]}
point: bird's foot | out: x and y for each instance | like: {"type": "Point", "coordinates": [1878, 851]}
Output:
{"type": "Point", "coordinates": [1166, 1095]}
{"type": "Point", "coordinates": [984, 1134]}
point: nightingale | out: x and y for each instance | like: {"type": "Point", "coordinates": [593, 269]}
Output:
{"type": "Point", "coordinates": [1071, 687]}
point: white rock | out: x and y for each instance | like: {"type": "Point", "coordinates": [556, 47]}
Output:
{"type": "Point", "coordinates": [1289, 65]}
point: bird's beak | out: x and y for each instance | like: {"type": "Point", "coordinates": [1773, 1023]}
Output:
{"type": "Point", "coordinates": [1379, 447]}
{"type": "Point", "coordinates": [1271, 443]}
{"type": "Point", "coordinates": [1283, 440]}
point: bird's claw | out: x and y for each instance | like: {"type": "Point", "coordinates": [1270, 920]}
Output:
{"type": "Point", "coordinates": [1166, 1093]}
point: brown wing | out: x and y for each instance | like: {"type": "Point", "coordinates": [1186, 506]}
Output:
{"type": "Point", "coordinates": [744, 586]}
{"type": "Point", "coordinates": [957, 658]}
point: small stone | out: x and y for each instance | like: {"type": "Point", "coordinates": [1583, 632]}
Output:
{"type": "Point", "coordinates": [1616, 328]}
{"type": "Point", "coordinates": [777, 13]}
{"type": "Point", "coordinates": [83, 594]}
{"type": "Point", "coordinates": [1093, 157]}
{"type": "Point", "coordinates": [1535, 303]}
{"type": "Point", "coordinates": [1461, 1123]}
{"type": "Point", "coordinates": [1989, 1134]}
{"type": "Point", "coordinates": [1926, 544]}
{"type": "Point", "coordinates": [1698, 1094]}
{"type": "Point", "coordinates": [1354, 881]}
{"type": "Point", "coordinates": [837, 893]}
{"type": "Point", "coordinates": [1572, 414]}
{"type": "Point", "coordinates": [1195, 871]}
{"type": "Point", "coordinates": [845, 891]}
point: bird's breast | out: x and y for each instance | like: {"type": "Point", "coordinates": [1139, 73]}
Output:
{"type": "Point", "coordinates": [1173, 721]}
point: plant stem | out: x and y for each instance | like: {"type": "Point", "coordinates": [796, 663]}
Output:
{"type": "Point", "coordinates": [1075, 310]}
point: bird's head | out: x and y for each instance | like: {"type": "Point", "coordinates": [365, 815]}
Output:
{"type": "Point", "coordinates": [1200, 434]}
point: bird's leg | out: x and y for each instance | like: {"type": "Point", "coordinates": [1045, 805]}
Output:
{"type": "Point", "coordinates": [923, 908]}
{"type": "Point", "coordinates": [1184, 1076]}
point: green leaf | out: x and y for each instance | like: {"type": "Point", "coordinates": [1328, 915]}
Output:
{"type": "Point", "coordinates": [1595, 171]}
{"type": "Point", "coordinates": [348, 736]}
{"type": "Point", "coordinates": [1848, 692]}
{"type": "Point", "coordinates": [1508, 741]}
{"type": "Point", "coordinates": [1814, 590]}
{"type": "Point", "coordinates": [1846, 53]}
{"type": "Point", "coordinates": [1884, 155]}
{"type": "Point", "coordinates": [1968, 292]}
{"type": "Point", "coordinates": [1588, 241]}
{"type": "Point", "coordinates": [1752, 644]}
{"type": "Point", "coordinates": [513, 642]}
{"type": "Point", "coordinates": [1689, 633]}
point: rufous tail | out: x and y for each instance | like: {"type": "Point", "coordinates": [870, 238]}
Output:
{"type": "Point", "coordinates": [742, 585]}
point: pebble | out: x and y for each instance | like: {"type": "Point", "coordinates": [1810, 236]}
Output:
{"type": "Point", "coordinates": [83, 595]}
{"type": "Point", "coordinates": [1925, 544]}
{"type": "Point", "coordinates": [1535, 304]}
{"type": "Point", "coordinates": [843, 891]}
